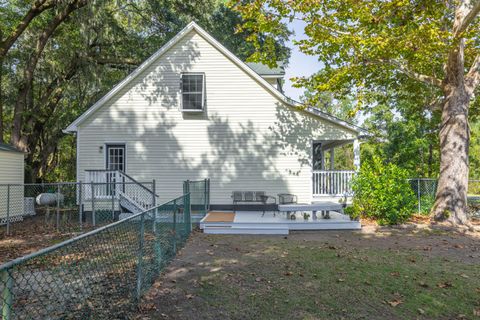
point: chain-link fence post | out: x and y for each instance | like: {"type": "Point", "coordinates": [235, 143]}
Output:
{"type": "Point", "coordinates": [57, 209]}
{"type": "Point", "coordinates": [418, 196]}
{"type": "Point", "coordinates": [205, 209]}
{"type": "Point", "coordinates": [208, 194]}
{"type": "Point", "coordinates": [174, 230]}
{"type": "Point", "coordinates": [154, 204]}
{"type": "Point", "coordinates": [8, 209]}
{"type": "Point", "coordinates": [112, 190]}
{"type": "Point", "coordinates": [7, 295]}
{"type": "Point", "coordinates": [92, 187]}
{"type": "Point", "coordinates": [187, 213]}
{"type": "Point", "coordinates": [140, 257]}
{"type": "Point", "coordinates": [80, 205]}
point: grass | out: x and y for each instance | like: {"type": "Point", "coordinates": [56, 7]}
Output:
{"type": "Point", "coordinates": [276, 278]}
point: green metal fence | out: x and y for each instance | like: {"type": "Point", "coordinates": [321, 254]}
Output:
{"type": "Point", "coordinates": [74, 206]}
{"type": "Point", "coordinates": [425, 190]}
{"type": "Point", "coordinates": [200, 196]}
{"type": "Point", "coordinates": [100, 274]}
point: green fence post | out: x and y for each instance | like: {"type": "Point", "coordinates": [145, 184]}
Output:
{"type": "Point", "coordinates": [154, 204]}
{"type": "Point", "coordinates": [92, 187]}
{"type": "Point", "coordinates": [8, 209]}
{"type": "Point", "coordinates": [418, 196]}
{"type": "Point", "coordinates": [80, 205]}
{"type": "Point", "coordinates": [113, 199]}
{"type": "Point", "coordinates": [187, 213]}
{"type": "Point", "coordinates": [158, 247]}
{"type": "Point", "coordinates": [205, 197]}
{"type": "Point", "coordinates": [57, 222]}
{"type": "Point", "coordinates": [7, 295]}
{"type": "Point", "coordinates": [174, 231]}
{"type": "Point", "coordinates": [208, 194]}
{"type": "Point", "coordinates": [140, 257]}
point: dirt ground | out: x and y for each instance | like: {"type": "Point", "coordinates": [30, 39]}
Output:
{"type": "Point", "coordinates": [415, 271]}
{"type": "Point", "coordinates": [32, 234]}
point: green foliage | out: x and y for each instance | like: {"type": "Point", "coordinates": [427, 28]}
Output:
{"type": "Point", "coordinates": [382, 192]}
{"type": "Point", "coordinates": [389, 57]}
{"type": "Point", "coordinates": [426, 204]}
{"type": "Point", "coordinates": [95, 48]}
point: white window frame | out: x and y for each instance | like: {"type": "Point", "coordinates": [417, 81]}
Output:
{"type": "Point", "coordinates": [182, 93]}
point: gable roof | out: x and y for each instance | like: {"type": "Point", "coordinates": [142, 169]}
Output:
{"type": "Point", "coordinates": [7, 147]}
{"type": "Point", "coordinates": [242, 65]}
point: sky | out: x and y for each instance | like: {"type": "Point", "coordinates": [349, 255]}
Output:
{"type": "Point", "coordinates": [300, 64]}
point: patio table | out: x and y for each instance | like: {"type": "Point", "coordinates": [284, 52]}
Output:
{"type": "Point", "coordinates": [314, 207]}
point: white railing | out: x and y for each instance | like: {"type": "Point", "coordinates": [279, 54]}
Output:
{"type": "Point", "coordinates": [101, 183]}
{"type": "Point", "coordinates": [113, 183]}
{"type": "Point", "coordinates": [332, 182]}
{"type": "Point", "coordinates": [135, 192]}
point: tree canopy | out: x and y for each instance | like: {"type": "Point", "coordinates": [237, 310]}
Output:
{"type": "Point", "coordinates": [58, 57]}
{"type": "Point", "coordinates": [417, 58]}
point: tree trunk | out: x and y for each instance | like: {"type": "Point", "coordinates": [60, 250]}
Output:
{"type": "Point", "coordinates": [451, 198]}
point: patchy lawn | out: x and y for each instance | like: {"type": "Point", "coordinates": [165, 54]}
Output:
{"type": "Point", "coordinates": [378, 273]}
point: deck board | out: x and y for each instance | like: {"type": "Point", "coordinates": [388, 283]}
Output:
{"type": "Point", "coordinates": [214, 216]}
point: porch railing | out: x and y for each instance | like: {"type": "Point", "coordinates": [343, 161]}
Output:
{"type": "Point", "coordinates": [105, 184]}
{"type": "Point", "coordinates": [332, 182]}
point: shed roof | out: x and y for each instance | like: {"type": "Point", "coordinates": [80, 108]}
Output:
{"type": "Point", "coordinates": [7, 147]}
{"type": "Point", "coordinates": [265, 70]}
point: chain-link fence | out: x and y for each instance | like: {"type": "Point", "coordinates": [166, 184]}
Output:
{"type": "Point", "coordinates": [425, 190]}
{"type": "Point", "coordinates": [69, 206]}
{"type": "Point", "coordinates": [200, 197]}
{"type": "Point", "coordinates": [100, 274]}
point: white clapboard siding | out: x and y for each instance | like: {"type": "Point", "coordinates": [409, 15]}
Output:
{"type": "Point", "coordinates": [11, 172]}
{"type": "Point", "coordinates": [245, 140]}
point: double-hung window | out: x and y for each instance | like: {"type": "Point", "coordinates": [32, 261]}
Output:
{"type": "Point", "coordinates": [193, 89]}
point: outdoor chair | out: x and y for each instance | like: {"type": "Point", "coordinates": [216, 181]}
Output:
{"type": "Point", "coordinates": [252, 197]}
{"type": "Point", "coordinates": [287, 198]}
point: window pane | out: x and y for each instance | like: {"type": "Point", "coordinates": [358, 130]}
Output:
{"type": "Point", "coordinates": [192, 83]}
{"type": "Point", "coordinates": [192, 91]}
{"type": "Point", "coordinates": [192, 101]}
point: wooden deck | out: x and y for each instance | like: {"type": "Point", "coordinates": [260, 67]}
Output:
{"type": "Point", "coordinates": [252, 222]}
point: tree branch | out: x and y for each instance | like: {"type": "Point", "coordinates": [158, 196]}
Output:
{"type": "Point", "coordinates": [113, 61]}
{"type": "Point", "coordinates": [37, 8]}
{"type": "Point", "coordinates": [467, 18]}
{"type": "Point", "coordinates": [472, 79]}
{"type": "Point", "coordinates": [410, 73]}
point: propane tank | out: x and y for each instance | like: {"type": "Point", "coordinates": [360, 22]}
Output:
{"type": "Point", "coordinates": [49, 199]}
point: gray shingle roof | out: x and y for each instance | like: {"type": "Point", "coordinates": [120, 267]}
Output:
{"type": "Point", "coordinates": [265, 70]}
{"type": "Point", "coordinates": [7, 147]}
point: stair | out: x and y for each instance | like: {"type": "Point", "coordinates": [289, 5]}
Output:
{"type": "Point", "coordinates": [245, 229]}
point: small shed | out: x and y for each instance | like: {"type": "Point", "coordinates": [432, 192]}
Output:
{"type": "Point", "coordinates": [12, 173]}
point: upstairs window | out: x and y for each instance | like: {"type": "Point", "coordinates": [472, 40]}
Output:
{"type": "Point", "coordinates": [193, 88]}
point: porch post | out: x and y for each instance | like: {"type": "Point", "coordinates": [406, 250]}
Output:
{"type": "Point", "coordinates": [332, 158]}
{"type": "Point", "coordinates": [356, 154]}
{"type": "Point", "coordinates": [322, 160]}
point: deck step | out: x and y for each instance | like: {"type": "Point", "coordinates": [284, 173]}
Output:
{"type": "Point", "coordinates": [279, 229]}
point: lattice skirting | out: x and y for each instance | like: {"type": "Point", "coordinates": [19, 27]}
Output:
{"type": "Point", "coordinates": [3, 221]}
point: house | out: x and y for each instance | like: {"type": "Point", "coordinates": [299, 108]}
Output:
{"type": "Point", "coordinates": [193, 110]}
{"type": "Point", "coordinates": [12, 172]}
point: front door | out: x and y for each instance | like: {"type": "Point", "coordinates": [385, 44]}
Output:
{"type": "Point", "coordinates": [115, 161]}
{"type": "Point", "coordinates": [116, 157]}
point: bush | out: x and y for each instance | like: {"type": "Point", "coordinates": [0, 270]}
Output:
{"type": "Point", "coordinates": [382, 192]}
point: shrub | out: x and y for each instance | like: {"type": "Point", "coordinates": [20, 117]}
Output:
{"type": "Point", "coordinates": [382, 192]}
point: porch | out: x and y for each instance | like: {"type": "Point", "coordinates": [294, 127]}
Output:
{"type": "Point", "coordinates": [253, 222]}
{"type": "Point", "coordinates": [332, 175]}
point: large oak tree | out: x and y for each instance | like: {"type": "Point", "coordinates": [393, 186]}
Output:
{"type": "Point", "coordinates": [373, 48]}
{"type": "Point", "coordinates": [57, 57]}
